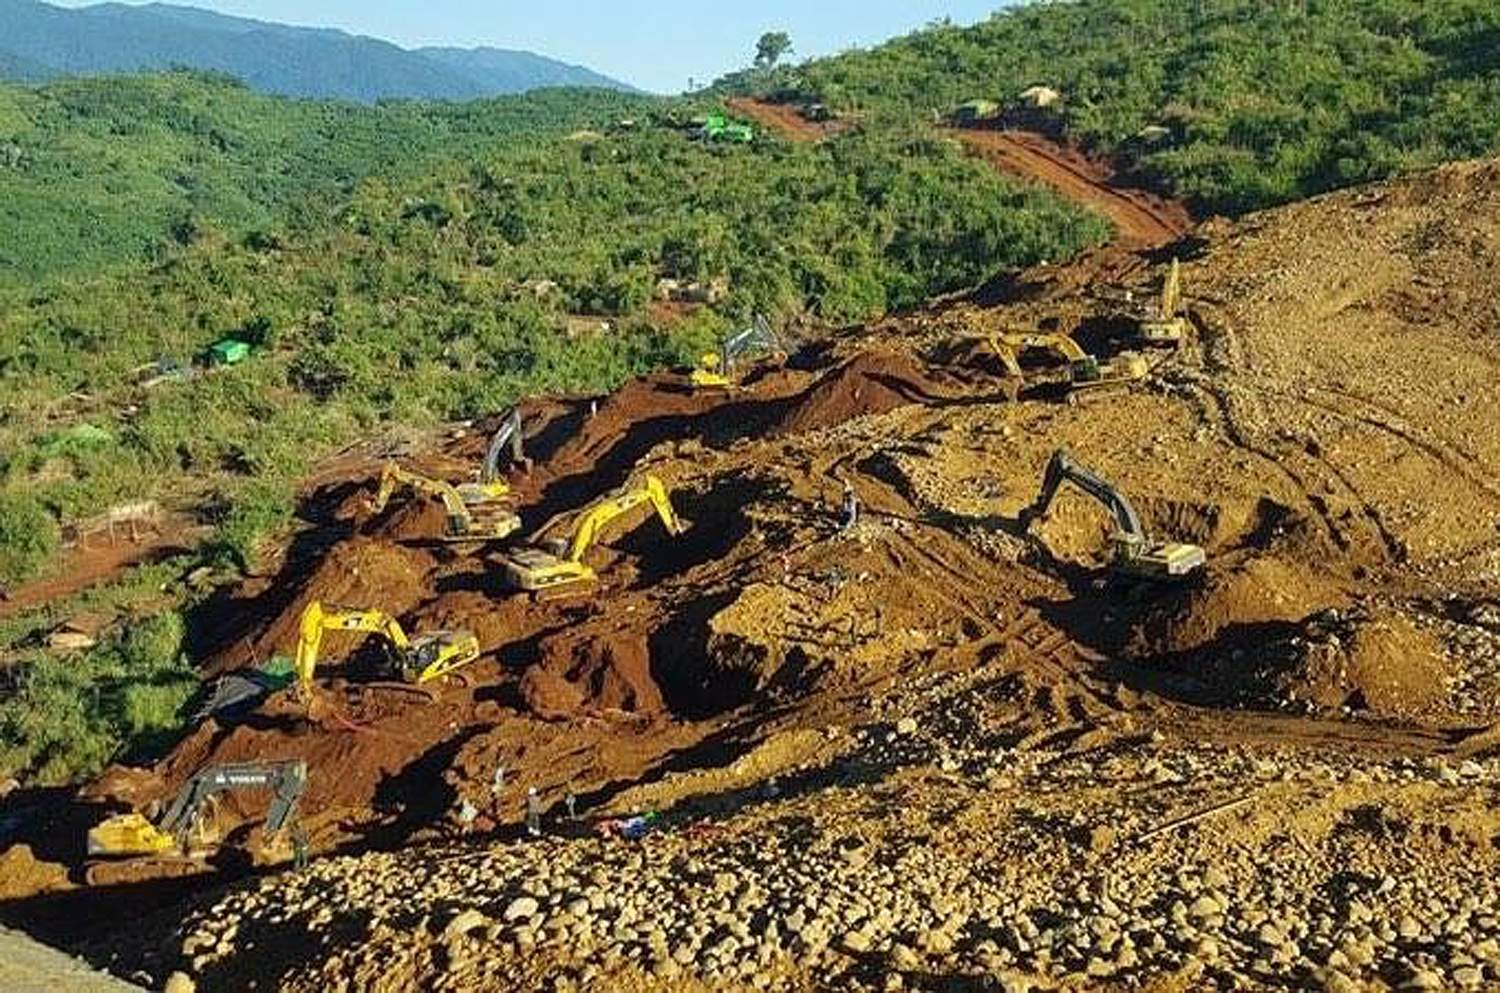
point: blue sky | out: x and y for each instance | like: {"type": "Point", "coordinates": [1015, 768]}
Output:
{"type": "Point", "coordinates": [656, 46]}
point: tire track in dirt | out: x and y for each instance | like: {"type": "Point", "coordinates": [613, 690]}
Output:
{"type": "Point", "coordinates": [1142, 219]}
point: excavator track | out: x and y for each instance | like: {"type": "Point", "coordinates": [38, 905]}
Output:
{"type": "Point", "coordinates": [139, 870]}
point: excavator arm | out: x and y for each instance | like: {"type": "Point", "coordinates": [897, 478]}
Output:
{"type": "Point", "coordinates": [287, 779]}
{"type": "Point", "coordinates": [316, 620]}
{"type": "Point", "coordinates": [1134, 554]}
{"type": "Point", "coordinates": [393, 476]}
{"type": "Point", "coordinates": [1164, 324]}
{"type": "Point", "coordinates": [601, 514]}
{"type": "Point", "coordinates": [716, 369]}
{"type": "Point", "coordinates": [1007, 356]}
{"type": "Point", "coordinates": [132, 834]}
{"type": "Point", "coordinates": [421, 659]}
{"type": "Point", "coordinates": [1082, 366]}
{"type": "Point", "coordinates": [757, 335]}
{"type": "Point", "coordinates": [1063, 468]}
{"type": "Point", "coordinates": [478, 518]}
{"type": "Point", "coordinates": [508, 435]}
{"type": "Point", "coordinates": [539, 569]}
{"type": "Point", "coordinates": [1171, 291]}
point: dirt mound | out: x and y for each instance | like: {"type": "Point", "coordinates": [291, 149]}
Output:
{"type": "Point", "coordinates": [411, 517]}
{"type": "Point", "coordinates": [360, 572]}
{"type": "Point", "coordinates": [868, 383]}
{"type": "Point", "coordinates": [1366, 660]}
{"type": "Point", "coordinates": [23, 875]}
{"type": "Point", "coordinates": [1380, 664]}
{"type": "Point", "coordinates": [648, 406]}
{"type": "Point", "coordinates": [584, 671]}
{"type": "Point", "coordinates": [1230, 605]}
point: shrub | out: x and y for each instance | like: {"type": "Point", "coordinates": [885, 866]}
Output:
{"type": "Point", "coordinates": [28, 537]}
{"type": "Point", "coordinates": [66, 718]}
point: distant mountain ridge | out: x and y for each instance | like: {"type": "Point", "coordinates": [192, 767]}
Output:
{"type": "Point", "coordinates": [39, 41]}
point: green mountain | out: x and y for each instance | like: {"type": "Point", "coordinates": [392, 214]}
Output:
{"type": "Point", "coordinates": [37, 40]}
{"type": "Point", "coordinates": [1263, 102]}
{"type": "Point", "coordinates": [21, 69]}
{"type": "Point", "coordinates": [505, 70]}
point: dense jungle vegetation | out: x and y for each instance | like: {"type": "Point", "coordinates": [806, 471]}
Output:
{"type": "Point", "coordinates": [1265, 101]}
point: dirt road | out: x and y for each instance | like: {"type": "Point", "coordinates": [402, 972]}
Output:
{"type": "Point", "coordinates": [27, 966]}
{"type": "Point", "coordinates": [784, 119]}
{"type": "Point", "coordinates": [90, 565]}
{"type": "Point", "coordinates": [1144, 219]}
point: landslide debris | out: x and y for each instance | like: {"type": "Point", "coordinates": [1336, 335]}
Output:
{"type": "Point", "coordinates": [933, 745]}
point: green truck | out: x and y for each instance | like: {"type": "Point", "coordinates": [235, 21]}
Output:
{"type": "Point", "coordinates": [229, 351]}
{"type": "Point", "coordinates": [721, 127]}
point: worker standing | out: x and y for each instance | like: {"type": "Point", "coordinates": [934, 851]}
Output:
{"type": "Point", "coordinates": [299, 848]}
{"type": "Point", "coordinates": [533, 813]}
{"type": "Point", "coordinates": [571, 802]}
{"type": "Point", "coordinates": [851, 507]}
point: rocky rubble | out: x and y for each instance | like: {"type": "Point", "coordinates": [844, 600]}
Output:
{"type": "Point", "coordinates": [926, 855]}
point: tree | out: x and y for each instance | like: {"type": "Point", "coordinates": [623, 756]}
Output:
{"type": "Point", "coordinates": [771, 47]}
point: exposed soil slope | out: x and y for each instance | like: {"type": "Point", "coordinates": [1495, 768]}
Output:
{"type": "Point", "coordinates": [1143, 219]}
{"type": "Point", "coordinates": [783, 119]}
{"type": "Point", "coordinates": [931, 744]}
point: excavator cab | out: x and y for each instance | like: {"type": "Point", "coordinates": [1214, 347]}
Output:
{"type": "Point", "coordinates": [1134, 553]}
{"type": "Point", "coordinates": [556, 567]}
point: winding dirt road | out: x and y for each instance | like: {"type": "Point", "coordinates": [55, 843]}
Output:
{"type": "Point", "coordinates": [1143, 219]}
{"type": "Point", "coordinates": [784, 119]}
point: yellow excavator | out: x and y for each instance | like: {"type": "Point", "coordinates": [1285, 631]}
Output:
{"type": "Point", "coordinates": [1085, 372]}
{"type": "Point", "coordinates": [716, 370]}
{"type": "Point", "coordinates": [1166, 328]}
{"type": "Point", "coordinates": [558, 566]}
{"type": "Point", "coordinates": [1134, 553]}
{"type": "Point", "coordinates": [176, 842]}
{"type": "Point", "coordinates": [419, 660]}
{"type": "Point", "coordinates": [492, 485]}
{"type": "Point", "coordinates": [480, 519]}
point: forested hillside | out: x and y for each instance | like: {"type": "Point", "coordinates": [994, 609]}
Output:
{"type": "Point", "coordinates": [407, 264]}
{"type": "Point", "coordinates": [1265, 101]}
{"type": "Point", "coordinates": [96, 172]}
{"type": "Point", "coordinates": [412, 262]}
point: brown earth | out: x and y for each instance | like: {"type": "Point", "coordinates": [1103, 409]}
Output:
{"type": "Point", "coordinates": [1143, 218]}
{"type": "Point", "coordinates": [1327, 436]}
{"type": "Point", "coordinates": [102, 559]}
{"type": "Point", "coordinates": [784, 119]}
